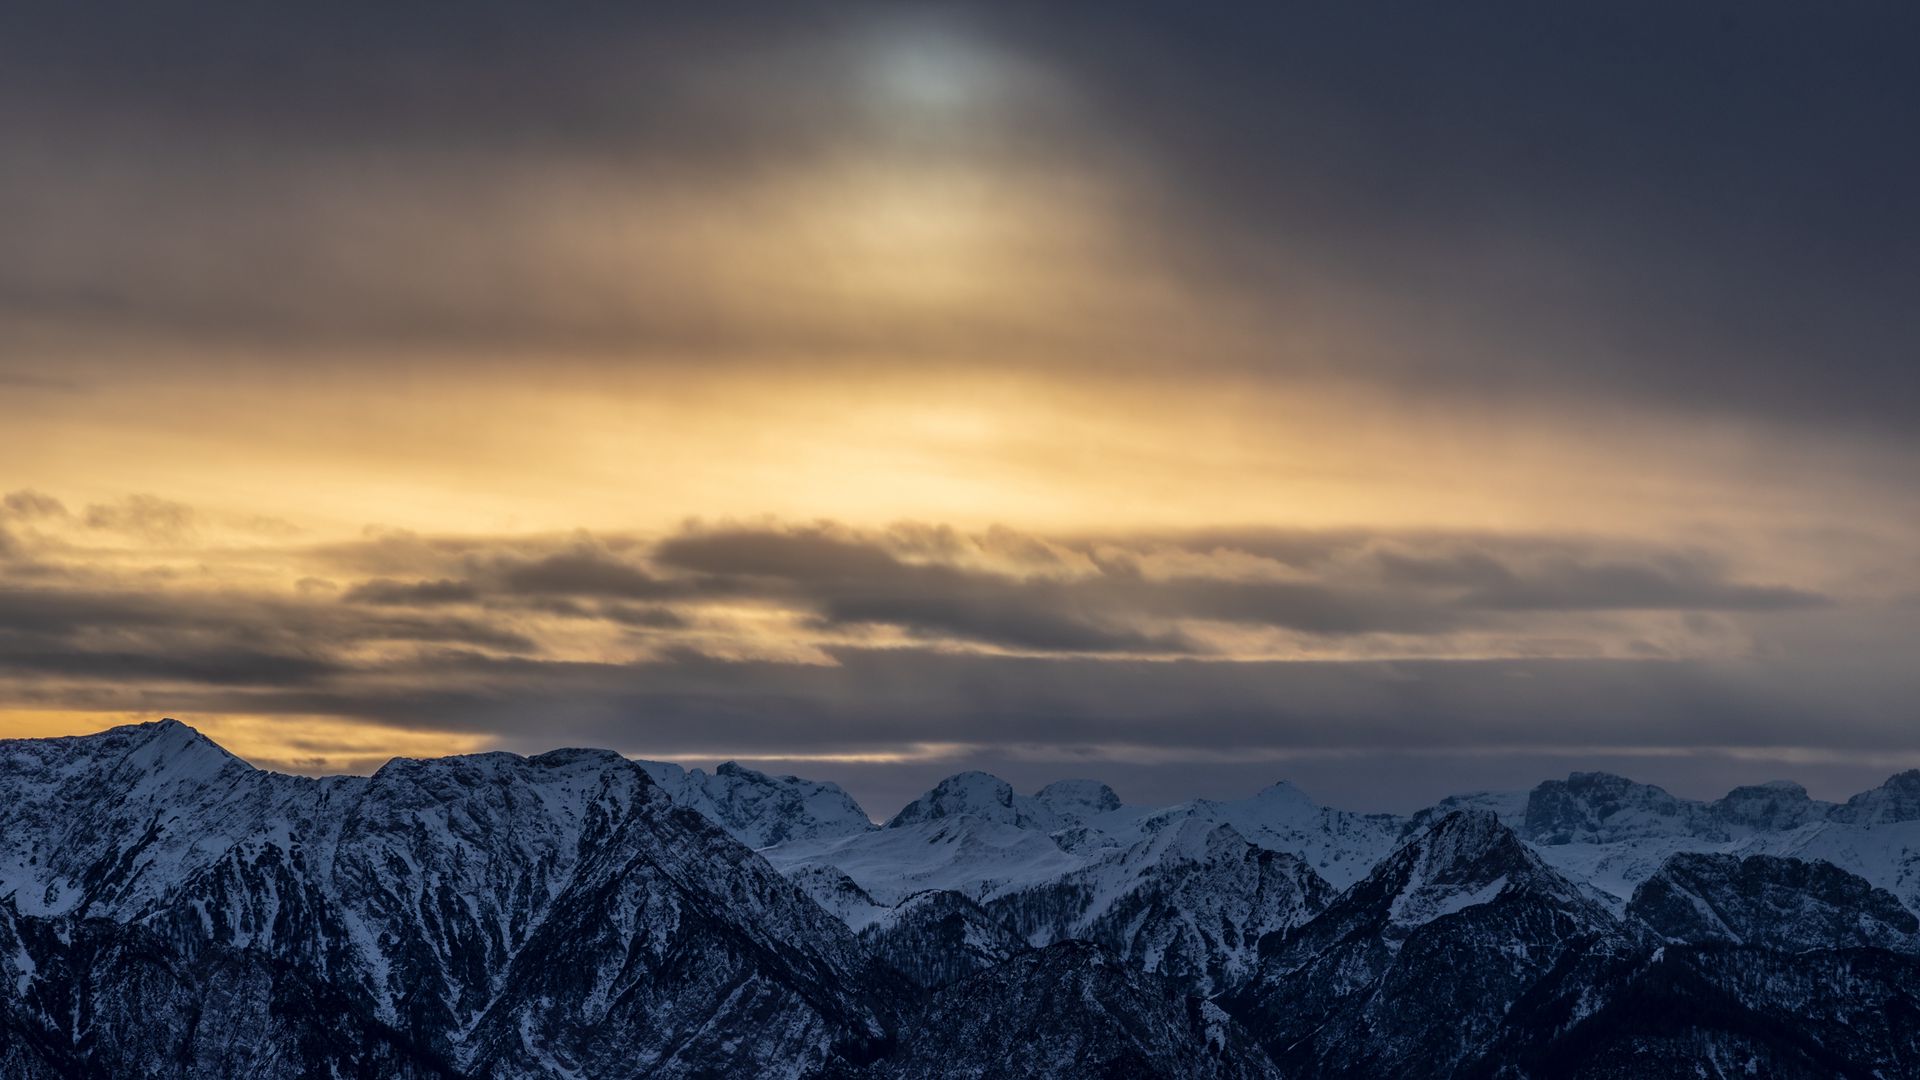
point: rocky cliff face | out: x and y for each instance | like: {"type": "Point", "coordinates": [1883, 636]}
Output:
{"type": "Point", "coordinates": [1189, 903]}
{"type": "Point", "coordinates": [1719, 1011]}
{"type": "Point", "coordinates": [938, 937]}
{"type": "Point", "coordinates": [98, 998]}
{"type": "Point", "coordinates": [1072, 1011]}
{"type": "Point", "coordinates": [1776, 903]}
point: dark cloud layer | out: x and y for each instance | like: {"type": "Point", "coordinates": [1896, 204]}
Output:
{"type": "Point", "coordinates": [1701, 206]}
{"type": "Point", "coordinates": [1698, 205]}
{"type": "Point", "coordinates": [1379, 589]}
{"type": "Point", "coordinates": [1667, 581]}
{"type": "Point", "coordinates": [1064, 646]}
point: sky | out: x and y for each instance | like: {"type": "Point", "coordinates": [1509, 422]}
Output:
{"type": "Point", "coordinates": [1395, 399]}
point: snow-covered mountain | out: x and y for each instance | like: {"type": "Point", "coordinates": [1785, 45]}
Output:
{"type": "Point", "coordinates": [523, 916]}
{"type": "Point", "coordinates": [168, 910]}
{"type": "Point", "coordinates": [1340, 845]}
{"type": "Point", "coordinates": [1413, 970]}
{"type": "Point", "coordinates": [1189, 902]}
{"type": "Point", "coordinates": [970, 834]}
{"type": "Point", "coordinates": [761, 810]}
{"type": "Point", "coordinates": [1786, 904]}
{"type": "Point", "coordinates": [1611, 833]}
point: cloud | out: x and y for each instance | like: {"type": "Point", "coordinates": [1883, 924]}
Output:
{"type": "Point", "coordinates": [1108, 600]}
{"type": "Point", "coordinates": [641, 618]}
{"type": "Point", "coordinates": [28, 504]}
{"type": "Point", "coordinates": [580, 572]}
{"type": "Point", "coordinates": [809, 592]}
{"type": "Point", "coordinates": [147, 517]}
{"type": "Point", "coordinates": [873, 701]}
{"type": "Point", "coordinates": [1536, 225]}
{"type": "Point", "coordinates": [227, 638]}
{"type": "Point", "coordinates": [1459, 208]}
{"type": "Point", "coordinates": [851, 581]}
{"type": "Point", "coordinates": [227, 664]}
{"type": "Point", "coordinates": [1559, 582]}
{"type": "Point", "coordinates": [824, 640]}
{"type": "Point", "coordinates": [405, 593]}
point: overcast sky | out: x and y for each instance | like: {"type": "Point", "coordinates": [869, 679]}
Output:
{"type": "Point", "coordinates": [1394, 399]}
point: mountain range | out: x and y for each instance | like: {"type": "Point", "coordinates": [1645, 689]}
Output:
{"type": "Point", "coordinates": [167, 910]}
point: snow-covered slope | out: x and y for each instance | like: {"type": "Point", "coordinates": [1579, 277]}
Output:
{"type": "Point", "coordinates": [1190, 902]}
{"type": "Point", "coordinates": [762, 810]}
{"type": "Point", "coordinates": [1613, 834]}
{"type": "Point", "coordinates": [1340, 845]}
{"type": "Point", "coordinates": [971, 834]}
{"type": "Point", "coordinates": [974, 834]}
{"type": "Point", "coordinates": [979, 857]}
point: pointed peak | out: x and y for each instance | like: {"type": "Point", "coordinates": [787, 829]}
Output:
{"type": "Point", "coordinates": [1898, 799]}
{"type": "Point", "coordinates": [175, 733]}
{"type": "Point", "coordinates": [1463, 846]}
{"type": "Point", "coordinates": [1284, 791]}
{"type": "Point", "coordinates": [176, 749]}
{"type": "Point", "coordinates": [1465, 859]}
{"type": "Point", "coordinates": [733, 770]}
{"type": "Point", "coordinates": [1464, 835]}
{"type": "Point", "coordinates": [1902, 781]}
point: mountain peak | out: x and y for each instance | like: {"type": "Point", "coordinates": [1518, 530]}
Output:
{"type": "Point", "coordinates": [1775, 805]}
{"type": "Point", "coordinates": [1465, 859]}
{"type": "Point", "coordinates": [1284, 792]}
{"type": "Point", "coordinates": [1078, 796]}
{"type": "Point", "coordinates": [1896, 800]}
{"type": "Point", "coordinates": [759, 809]}
{"type": "Point", "coordinates": [971, 792]}
{"type": "Point", "coordinates": [176, 750]}
{"type": "Point", "coordinates": [1599, 807]}
{"type": "Point", "coordinates": [1464, 836]}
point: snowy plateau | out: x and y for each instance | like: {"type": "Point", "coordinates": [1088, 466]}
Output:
{"type": "Point", "coordinates": [167, 910]}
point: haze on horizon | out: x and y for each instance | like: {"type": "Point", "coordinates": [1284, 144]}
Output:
{"type": "Point", "coordinates": [1396, 402]}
